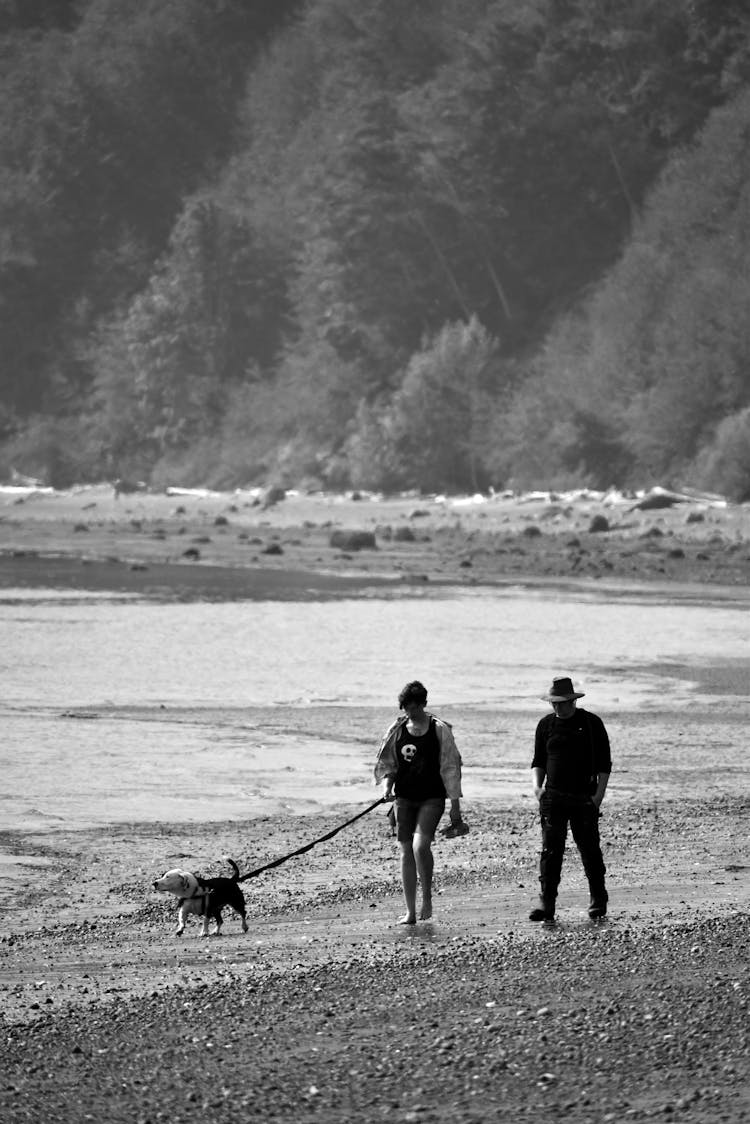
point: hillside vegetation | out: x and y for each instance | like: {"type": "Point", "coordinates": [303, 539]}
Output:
{"type": "Point", "coordinates": [445, 245]}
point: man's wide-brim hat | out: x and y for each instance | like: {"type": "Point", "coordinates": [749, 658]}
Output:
{"type": "Point", "coordinates": [562, 691]}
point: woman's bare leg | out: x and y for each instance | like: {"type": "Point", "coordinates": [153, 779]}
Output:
{"type": "Point", "coordinates": [425, 864]}
{"type": "Point", "coordinates": [409, 882]}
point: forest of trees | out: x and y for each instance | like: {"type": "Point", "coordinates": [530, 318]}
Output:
{"type": "Point", "coordinates": [436, 244]}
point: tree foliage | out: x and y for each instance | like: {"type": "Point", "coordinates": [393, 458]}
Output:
{"type": "Point", "coordinates": [662, 353]}
{"type": "Point", "coordinates": [252, 239]}
{"type": "Point", "coordinates": [431, 434]}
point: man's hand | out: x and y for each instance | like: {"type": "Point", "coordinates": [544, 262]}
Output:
{"type": "Point", "coordinates": [538, 777]}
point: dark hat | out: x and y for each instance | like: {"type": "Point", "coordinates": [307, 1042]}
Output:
{"type": "Point", "coordinates": [562, 691]}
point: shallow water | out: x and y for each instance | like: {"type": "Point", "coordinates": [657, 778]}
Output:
{"type": "Point", "coordinates": [117, 710]}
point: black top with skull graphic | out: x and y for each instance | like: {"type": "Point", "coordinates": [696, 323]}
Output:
{"type": "Point", "coordinates": [418, 776]}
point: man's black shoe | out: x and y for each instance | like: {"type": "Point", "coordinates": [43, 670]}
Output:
{"type": "Point", "coordinates": [545, 911]}
{"type": "Point", "coordinates": [597, 909]}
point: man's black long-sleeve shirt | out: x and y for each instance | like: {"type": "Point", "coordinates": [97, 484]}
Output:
{"type": "Point", "coordinates": [572, 751]}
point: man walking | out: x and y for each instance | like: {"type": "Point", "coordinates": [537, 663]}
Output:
{"type": "Point", "coordinates": [570, 769]}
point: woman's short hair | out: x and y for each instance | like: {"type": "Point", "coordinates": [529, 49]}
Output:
{"type": "Point", "coordinates": [414, 692]}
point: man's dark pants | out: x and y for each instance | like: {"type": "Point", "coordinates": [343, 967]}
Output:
{"type": "Point", "coordinates": [557, 810]}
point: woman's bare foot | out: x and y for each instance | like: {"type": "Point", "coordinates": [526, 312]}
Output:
{"type": "Point", "coordinates": [426, 911]}
{"type": "Point", "coordinates": [407, 919]}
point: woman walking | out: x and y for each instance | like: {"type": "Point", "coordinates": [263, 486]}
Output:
{"type": "Point", "coordinates": [419, 763]}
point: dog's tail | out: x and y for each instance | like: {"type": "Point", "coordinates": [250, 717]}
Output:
{"type": "Point", "coordinates": [235, 868]}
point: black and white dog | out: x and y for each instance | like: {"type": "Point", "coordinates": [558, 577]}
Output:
{"type": "Point", "coordinates": [205, 897]}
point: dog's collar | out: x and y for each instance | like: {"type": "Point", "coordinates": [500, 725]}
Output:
{"type": "Point", "coordinates": [200, 892]}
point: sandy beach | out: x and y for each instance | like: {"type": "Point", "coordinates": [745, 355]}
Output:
{"type": "Point", "coordinates": [327, 1010]}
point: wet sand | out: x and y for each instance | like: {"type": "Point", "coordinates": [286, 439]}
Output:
{"type": "Point", "coordinates": [327, 1009]}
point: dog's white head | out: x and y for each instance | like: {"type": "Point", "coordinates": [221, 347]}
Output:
{"type": "Point", "coordinates": [181, 883]}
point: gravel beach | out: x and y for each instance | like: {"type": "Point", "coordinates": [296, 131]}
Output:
{"type": "Point", "coordinates": [241, 542]}
{"type": "Point", "coordinates": [327, 1010]}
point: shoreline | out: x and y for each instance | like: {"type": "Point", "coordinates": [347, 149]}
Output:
{"type": "Point", "coordinates": [61, 572]}
{"type": "Point", "coordinates": [147, 539]}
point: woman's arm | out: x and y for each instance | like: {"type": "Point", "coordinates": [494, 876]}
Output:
{"type": "Point", "coordinates": [386, 765]}
{"type": "Point", "coordinates": [450, 766]}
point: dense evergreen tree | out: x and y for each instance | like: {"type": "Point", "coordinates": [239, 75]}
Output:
{"type": "Point", "coordinates": [661, 354]}
{"type": "Point", "coordinates": [240, 239]}
{"type": "Point", "coordinates": [104, 131]}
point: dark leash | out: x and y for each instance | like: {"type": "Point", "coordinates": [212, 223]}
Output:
{"type": "Point", "coordinates": [308, 846]}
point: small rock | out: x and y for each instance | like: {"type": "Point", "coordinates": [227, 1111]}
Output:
{"type": "Point", "coordinates": [353, 540]}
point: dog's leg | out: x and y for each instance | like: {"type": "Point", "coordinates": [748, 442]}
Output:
{"type": "Point", "coordinates": [242, 917]}
{"type": "Point", "coordinates": [180, 921]}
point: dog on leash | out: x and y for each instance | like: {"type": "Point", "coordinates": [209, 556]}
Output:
{"type": "Point", "coordinates": [206, 897]}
